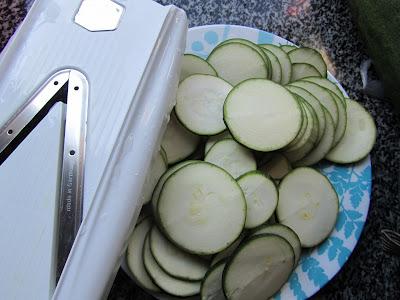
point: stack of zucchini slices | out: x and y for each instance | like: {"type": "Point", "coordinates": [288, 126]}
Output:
{"type": "Point", "coordinates": [232, 193]}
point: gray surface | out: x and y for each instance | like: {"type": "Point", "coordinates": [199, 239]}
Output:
{"type": "Point", "coordinates": [326, 25]}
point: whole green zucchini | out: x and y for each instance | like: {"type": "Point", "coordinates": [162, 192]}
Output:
{"type": "Point", "coordinates": [379, 24]}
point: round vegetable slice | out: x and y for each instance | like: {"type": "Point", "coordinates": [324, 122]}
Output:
{"type": "Point", "coordinates": [228, 251]}
{"type": "Point", "coordinates": [202, 208]}
{"type": "Point", "coordinates": [211, 287]}
{"type": "Point", "coordinates": [285, 232]}
{"type": "Point", "coordinates": [288, 48]}
{"type": "Point", "coordinates": [161, 181]}
{"type": "Point", "coordinates": [258, 268]}
{"type": "Point", "coordinates": [308, 204]}
{"type": "Point", "coordinates": [359, 137]}
{"type": "Point", "coordinates": [199, 103]}
{"type": "Point", "coordinates": [232, 157]}
{"type": "Point", "coordinates": [276, 69]}
{"type": "Point", "coordinates": [277, 167]}
{"type": "Point", "coordinates": [342, 120]}
{"type": "Point", "coordinates": [157, 167]}
{"type": "Point", "coordinates": [192, 64]}
{"type": "Point", "coordinates": [326, 83]}
{"type": "Point", "coordinates": [215, 138]}
{"type": "Point", "coordinates": [262, 115]}
{"type": "Point", "coordinates": [303, 70]}
{"type": "Point", "coordinates": [284, 62]}
{"type": "Point", "coordinates": [314, 102]}
{"type": "Point", "coordinates": [175, 261]}
{"type": "Point", "coordinates": [178, 142]}
{"type": "Point", "coordinates": [255, 47]}
{"type": "Point", "coordinates": [167, 283]}
{"type": "Point", "coordinates": [134, 255]}
{"type": "Point", "coordinates": [323, 146]}
{"type": "Point", "coordinates": [261, 197]}
{"type": "Point", "coordinates": [236, 62]}
{"type": "Point", "coordinates": [309, 56]}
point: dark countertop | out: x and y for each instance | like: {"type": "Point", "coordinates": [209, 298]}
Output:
{"type": "Point", "coordinates": [327, 26]}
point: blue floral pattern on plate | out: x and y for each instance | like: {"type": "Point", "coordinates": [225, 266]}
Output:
{"type": "Point", "coordinates": [352, 182]}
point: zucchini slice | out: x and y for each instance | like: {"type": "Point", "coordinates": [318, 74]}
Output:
{"type": "Point", "coordinates": [211, 287]}
{"type": "Point", "coordinates": [215, 138]}
{"type": "Point", "coordinates": [288, 48]}
{"type": "Point", "coordinates": [323, 146]}
{"type": "Point", "coordinates": [276, 69]}
{"type": "Point", "coordinates": [359, 137]}
{"type": "Point", "coordinates": [285, 232]}
{"type": "Point", "coordinates": [303, 70]}
{"type": "Point", "coordinates": [258, 268]}
{"type": "Point", "coordinates": [308, 204]}
{"type": "Point", "coordinates": [262, 115]}
{"type": "Point", "coordinates": [236, 62]}
{"type": "Point", "coordinates": [326, 83]}
{"type": "Point", "coordinates": [199, 103]}
{"type": "Point", "coordinates": [309, 56]}
{"type": "Point", "coordinates": [232, 157]}
{"type": "Point", "coordinates": [178, 142]}
{"type": "Point", "coordinates": [167, 283]}
{"type": "Point", "coordinates": [314, 102]}
{"type": "Point", "coordinates": [261, 197]}
{"type": "Point", "coordinates": [228, 251]}
{"type": "Point", "coordinates": [284, 62]}
{"type": "Point", "coordinates": [134, 256]}
{"type": "Point", "coordinates": [175, 261]}
{"type": "Point", "coordinates": [192, 64]}
{"type": "Point", "coordinates": [157, 168]}
{"type": "Point", "coordinates": [277, 167]}
{"type": "Point", "coordinates": [202, 208]}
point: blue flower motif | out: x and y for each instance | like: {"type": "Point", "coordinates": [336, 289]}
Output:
{"type": "Point", "coordinates": [314, 272]}
{"type": "Point", "coordinates": [335, 249]}
{"type": "Point", "coordinates": [295, 286]}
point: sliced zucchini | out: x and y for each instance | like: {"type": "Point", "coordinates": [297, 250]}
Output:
{"type": "Point", "coordinates": [308, 204]}
{"type": "Point", "coordinates": [276, 69]}
{"type": "Point", "coordinates": [262, 115]}
{"type": "Point", "coordinates": [134, 255]}
{"type": "Point", "coordinates": [285, 232]}
{"type": "Point", "coordinates": [228, 251]}
{"type": "Point", "coordinates": [306, 147]}
{"type": "Point", "coordinates": [161, 181]}
{"type": "Point", "coordinates": [342, 120]}
{"type": "Point", "coordinates": [215, 138]}
{"type": "Point", "coordinates": [309, 56]}
{"type": "Point", "coordinates": [277, 167]}
{"type": "Point", "coordinates": [157, 167]}
{"type": "Point", "coordinates": [323, 95]}
{"type": "Point", "coordinates": [199, 103]}
{"type": "Point", "coordinates": [175, 261]}
{"type": "Point", "coordinates": [236, 62]}
{"type": "Point", "coordinates": [310, 135]}
{"type": "Point", "coordinates": [314, 102]}
{"type": "Point", "coordinates": [359, 137]}
{"type": "Point", "coordinates": [288, 48]}
{"type": "Point", "coordinates": [202, 208]}
{"type": "Point", "coordinates": [323, 146]}
{"type": "Point", "coordinates": [192, 64]}
{"type": "Point", "coordinates": [256, 48]}
{"type": "Point", "coordinates": [284, 62]}
{"type": "Point", "coordinates": [304, 124]}
{"type": "Point", "coordinates": [211, 287]}
{"type": "Point", "coordinates": [232, 157]}
{"type": "Point", "coordinates": [258, 268]}
{"type": "Point", "coordinates": [261, 197]}
{"type": "Point", "coordinates": [326, 83]}
{"type": "Point", "coordinates": [178, 142]}
{"type": "Point", "coordinates": [167, 283]}
{"type": "Point", "coordinates": [303, 70]}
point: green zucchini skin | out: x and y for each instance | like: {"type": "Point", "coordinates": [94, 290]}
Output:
{"type": "Point", "coordinates": [378, 22]}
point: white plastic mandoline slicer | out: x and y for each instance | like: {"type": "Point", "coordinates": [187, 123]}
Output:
{"type": "Point", "coordinates": [86, 88]}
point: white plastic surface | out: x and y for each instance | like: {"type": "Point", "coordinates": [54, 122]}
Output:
{"type": "Point", "coordinates": [28, 212]}
{"type": "Point", "coordinates": [126, 117]}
